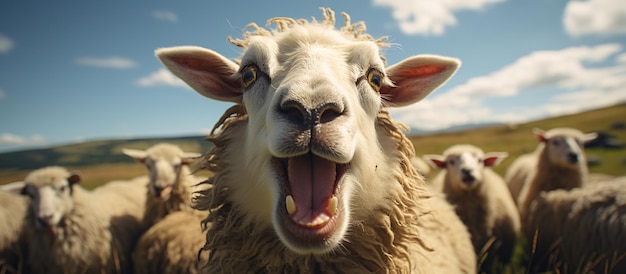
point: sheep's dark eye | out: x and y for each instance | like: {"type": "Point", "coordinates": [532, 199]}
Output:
{"type": "Point", "coordinates": [248, 75]}
{"type": "Point", "coordinates": [375, 79]}
{"type": "Point", "coordinates": [62, 189]}
{"type": "Point", "coordinates": [555, 142]}
{"type": "Point", "coordinates": [451, 162]}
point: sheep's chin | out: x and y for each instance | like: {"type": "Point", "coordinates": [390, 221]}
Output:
{"type": "Point", "coordinates": [316, 230]}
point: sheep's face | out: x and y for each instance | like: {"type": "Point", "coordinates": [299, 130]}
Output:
{"type": "Point", "coordinates": [464, 165]}
{"type": "Point", "coordinates": [565, 147]}
{"type": "Point", "coordinates": [164, 163]}
{"type": "Point", "coordinates": [51, 199]}
{"type": "Point", "coordinates": [310, 160]}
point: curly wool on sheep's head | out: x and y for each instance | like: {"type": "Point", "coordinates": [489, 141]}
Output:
{"type": "Point", "coordinates": [308, 148]}
{"type": "Point", "coordinates": [50, 190]}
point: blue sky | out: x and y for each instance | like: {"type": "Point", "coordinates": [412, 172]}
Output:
{"type": "Point", "coordinates": [74, 71]}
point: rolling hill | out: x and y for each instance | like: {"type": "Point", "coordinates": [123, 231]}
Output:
{"type": "Point", "coordinates": [101, 161]}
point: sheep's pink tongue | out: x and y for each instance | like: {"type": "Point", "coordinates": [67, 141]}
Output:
{"type": "Point", "coordinates": [312, 181]}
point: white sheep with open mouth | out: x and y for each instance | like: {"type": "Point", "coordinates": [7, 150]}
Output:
{"type": "Point", "coordinates": [310, 172]}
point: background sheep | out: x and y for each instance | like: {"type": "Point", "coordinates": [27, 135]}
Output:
{"type": "Point", "coordinates": [172, 245]}
{"type": "Point", "coordinates": [421, 166]}
{"type": "Point", "coordinates": [174, 236]}
{"type": "Point", "coordinates": [170, 179]}
{"type": "Point", "coordinates": [72, 230]}
{"type": "Point", "coordinates": [560, 164]}
{"type": "Point", "coordinates": [581, 230]}
{"type": "Point", "coordinates": [13, 208]}
{"type": "Point", "coordinates": [481, 199]}
{"type": "Point", "coordinates": [311, 174]}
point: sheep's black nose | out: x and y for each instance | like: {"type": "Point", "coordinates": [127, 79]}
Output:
{"type": "Point", "coordinates": [466, 172]}
{"type": "Point", "coordinates": [572, 157]}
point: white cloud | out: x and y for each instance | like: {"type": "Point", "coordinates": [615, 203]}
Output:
{"type": "Point", "coordinates": [110, 62]}
{"type": "Point", "coordinates": [603, 17]}
{"type": "Point", "coordinates": [6, 44]}
{"type": "Point", "coordinates": [12, 139]}
{"type": "Point", "coordinates": [162, 77]}
{"type": "Point", "coordinates": [430, 16]}
{"type": "Point", "coordinates": [577, 71]}
{"type": "Point", "coordinates": [165, 16]}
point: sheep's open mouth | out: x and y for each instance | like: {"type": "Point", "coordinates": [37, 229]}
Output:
{"type": "Point", "coordinates": [309, 205]}
{"type": "Point", "coordinates": [468, 180]}
{"type": "Point", "coordinates": [162, 193]}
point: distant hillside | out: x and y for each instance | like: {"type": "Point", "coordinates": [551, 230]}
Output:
{"type": "Point", "coordinates": [92, 153]}
{"type": "Point", "coordinates": [102, 161]}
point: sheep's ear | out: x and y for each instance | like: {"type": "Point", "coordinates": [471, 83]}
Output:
{"type": "Point", "coordinates": [539, 133]}
{"type": "Point", "coordinates": [415, 77]}
{"type": "Point", "coordinates": [206, 71]}
{"type": "Point", "coordinates": [15, 187]}
{"type": "Point", "coordinates": [189, 157]}
{"type": "Point", "coordinates": [589, 137]}
{"type": "Point", "coordinates": [138, 155]}
{"type": "Point", "coordinates": [494, 158]}
{"type": "Point", "coordinates": [437, 161]}
{"type": "Point", "coordinates": [73, 179]}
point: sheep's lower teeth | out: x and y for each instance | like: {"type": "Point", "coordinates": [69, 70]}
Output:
{"type": "Point", "coordinates": [332, 206]}
{"type": "Point", "coordinates": [331, 210]}
{"type": "Point", "coordinates": [291, 205]}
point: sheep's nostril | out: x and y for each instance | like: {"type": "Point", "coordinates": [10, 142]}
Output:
{"type": "Point", "coordinates": [295, 111]}
{"type": "Point", "coordinates": [572, 157]}
{"type": "Point", "coordinates": [328, 112]}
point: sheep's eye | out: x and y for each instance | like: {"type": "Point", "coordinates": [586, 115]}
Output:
{"type": "Point", "coordinates": [451, 162]}
{"type": "Point", "coordinates": [248, 75]}
{"type": "Point", "coordinates": [375, 79]}
{"type": "Point", "coordinates": [555, 142]}
{"type": "Point", "coordinates": [62, 189]}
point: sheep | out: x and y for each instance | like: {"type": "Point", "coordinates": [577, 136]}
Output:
{"type": "Point", "coordinates": [172, 245]}
{"type": "Point", "coordinates": [481, 199]}
{"type": "Point", "coordinates": [579, 230]}
{"type": "Point", "coordinates": [170, 179]}
{"type": "Point", "coordinates": [310, 173]}
{"type": "Point", "coordinates": [72, 230]}
{"type": "Point", "coordinates": [171, 241]}
{"type": "Point", "coordinates": [13, 209]}
{"type": "Point", "coordinates": [421, 166]}
{"type": "Point", "coordinates": [560, 163]}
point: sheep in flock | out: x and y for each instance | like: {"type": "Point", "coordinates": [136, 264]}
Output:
{"type": "Point", "coordinates": [421, 166]}
{"type": "Point", "coordinates": [311, 175]}
{"type": "Point", "coordinates": [559, 163]}
{"type": "Point", "coordinates": [72, 230]}
{"type": "Point", "coordinates": [13, 209]}
{"type": "Point", "coordinates": [169, 188]}
{"type": "Point", "coordinates": [172, 241]}
{"type": "Point", "coordinates": [581, 230]}
{"type": "Point", "coordinates": [481, 199]}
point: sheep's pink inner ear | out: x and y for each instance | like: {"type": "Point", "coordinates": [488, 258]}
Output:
{"type": "Point", "coordinates": [436, 161]}
{"type": "Point", "coordinates": [491, 161]}
{"type": "Point", "coordinates": [73, 179]}
{"type": "Point", "coordinates": [206, 71]}
{"type": "Point", "coordinates": [416, 77]}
